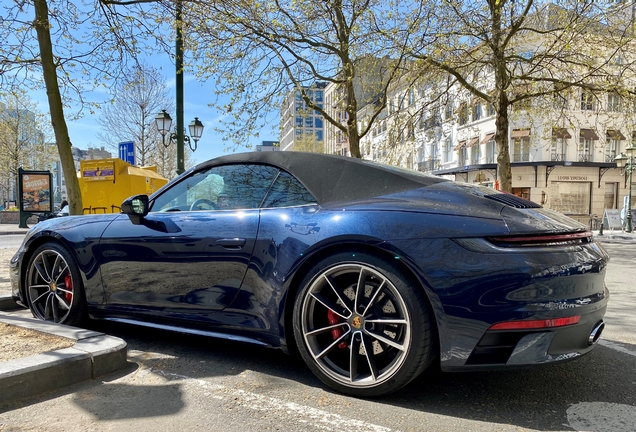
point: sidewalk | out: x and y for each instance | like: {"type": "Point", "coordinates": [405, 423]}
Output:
{"type": "Point", "coordinates": [13, 229]}
{"type": "Point", "coordinates": [92, 355]}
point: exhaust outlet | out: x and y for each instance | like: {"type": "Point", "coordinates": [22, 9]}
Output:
{"type": "Point", "coordinates": [596, 333]}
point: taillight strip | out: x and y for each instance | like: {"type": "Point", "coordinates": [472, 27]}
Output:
{"type": "Point", "coordinates": [536, 324]}
{"type": "Point", "coordinates": [550, 238]}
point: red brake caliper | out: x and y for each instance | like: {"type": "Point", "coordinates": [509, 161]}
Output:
{"type": "Point", "coordinates": [337, 332]}
{"type": "Point", "coordinates": [68, 296]}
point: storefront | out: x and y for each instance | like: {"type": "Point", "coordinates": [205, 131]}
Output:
{"type": "Point", "coordinates": [577, 189]}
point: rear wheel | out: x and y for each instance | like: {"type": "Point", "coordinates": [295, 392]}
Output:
{"type": "Point", "coordinates": [361, 326]}
{"type": "Point", "coordinates": [54, 286]}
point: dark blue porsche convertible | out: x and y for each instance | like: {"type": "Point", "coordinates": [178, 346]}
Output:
{"type": "Point", "coordinates": [370, 272]}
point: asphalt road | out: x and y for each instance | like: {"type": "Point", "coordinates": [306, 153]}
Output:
{"type": "Point", "coordinates": [185, 382]}
{"type": "Point", "coordinates": [11, 241]}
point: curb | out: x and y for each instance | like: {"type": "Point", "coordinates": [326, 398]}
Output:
{"type": "Point", "coordinates": [94, 354]}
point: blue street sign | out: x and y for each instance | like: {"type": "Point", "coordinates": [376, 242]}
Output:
{"type": "Point", "coordinates": [127, 152]}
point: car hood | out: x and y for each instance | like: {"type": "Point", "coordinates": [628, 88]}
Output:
{"type": "Point", "coordinates": [521, 216]}
{"type": "Point", "coordinates": [84, 223]}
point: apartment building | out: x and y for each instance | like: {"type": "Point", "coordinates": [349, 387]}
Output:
{"type": "Point", "coordinates": [562, 150]}
{"type": "Point", "coordinates": [302, 128]}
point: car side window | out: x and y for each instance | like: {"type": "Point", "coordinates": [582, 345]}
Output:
{"type": "Point", "coordinates": [287, 192]}
{"type": "Point", "coordinates": [225, 187]}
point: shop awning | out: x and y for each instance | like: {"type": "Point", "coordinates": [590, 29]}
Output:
{"type": "Point", "coordinates": [472, 142]}
{"type": "Point", "coordinates": [589, 134]}
{"type": "Point", "coordinates": [460, 145]}
{"type": "Point", "coordinates": [560, 133]}
{"type": "Point", "coordinates": [520, 133]}
{"type": "Point", "coordinates": [615, 134]}
{"type": "Point", "coordinates": [487, 138]}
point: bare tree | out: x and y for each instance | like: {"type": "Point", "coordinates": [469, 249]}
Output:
{"type": "Point", "coordinates": [506, 53]}
{"type": "Point", "coordinates": [130, 116]}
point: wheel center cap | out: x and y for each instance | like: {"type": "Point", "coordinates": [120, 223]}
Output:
{"type": "Point", "coordinates": [53, 286]}
{"type": "Point", "coordinates": [357, 322]}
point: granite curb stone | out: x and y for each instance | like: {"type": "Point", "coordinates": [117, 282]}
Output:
{"type": "Point", "coordinates": [94, 354]}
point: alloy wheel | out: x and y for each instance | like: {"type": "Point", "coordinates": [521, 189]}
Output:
{"type": "Point", "coordinates": [355, 325]}
{"type": "Point", "coordinates": [50, 286]}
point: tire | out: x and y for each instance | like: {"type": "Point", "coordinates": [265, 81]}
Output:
{"type": "Point", "coordinates": [53, 287]}
{"type": "Point", "coordinates": [334, 322]}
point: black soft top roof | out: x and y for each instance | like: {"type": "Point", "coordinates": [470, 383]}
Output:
{"type": "Point", "coordinates": [333, 179]}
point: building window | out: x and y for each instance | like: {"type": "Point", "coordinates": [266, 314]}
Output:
{"type": "Point", "coordinates": [299, 121]}
{"type": "Point", "coordinates": [521, 192]}
{"type": "Point", "coordinates": [585, 150]}
{"type": "Point", "coordinates": [309, 122]}
{"type": "Point", "coordinates": [319, 135]}
{"type": "Point", "coordinates": [613, 144]}
{"type": "Point", "coordinates": [520, 145]}
{"type": "Point", "coordinates": [559, 143]}
{"type": "Point", "coordinates": [318, 95]}
{"type": "Point", "coordinates": [610, 200]}
{"type": "Point", "coordinates": [557, 149]}
{"type": "Point", "coordinates": [614, 102]}
{"type": "Point", "coordinates": [448, 150]}
{"type": "Point", "coordinates": [461, 154]}
{"type": "Point", "coordinates": [477, 112]}
{"type": "Point", "coordinates": [570, 197]}
{"type": "Point", "coordinates": [521, 149]}
{"type": "Point", "coordinates": [475, 153]}
{"type": "Point", "coordinates": [318, 122]}
{"type": "Point", "coordinates": [448, 112]}
{"type": "Point", "coordinates": [491, 151]}
{"type": "Point", "coordinates": [462, 118]}
{"type": "Point", "coordinates": [588, 101]}
{"type": "Point", "coordinates": [491, 110]}
{"type": "Point", "coordinates": [586, 145]}
{"type": "Point", "coordinates": [411, 97]}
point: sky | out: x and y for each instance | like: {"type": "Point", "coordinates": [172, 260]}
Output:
{"type": "Point", "coordinates": [84, 132]}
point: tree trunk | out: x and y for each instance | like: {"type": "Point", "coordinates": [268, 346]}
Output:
{"type": "Point", "coordinates": [504, 173]}
{"type": "Point", "coordinates": [49, 71]}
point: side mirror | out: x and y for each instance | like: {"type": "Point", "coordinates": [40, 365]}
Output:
{"type": "Point", "coordinates": [136, 207]}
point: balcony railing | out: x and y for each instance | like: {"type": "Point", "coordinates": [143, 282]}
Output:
{"type": "Point", "coordinates": [429, 165]}
{"type": "Point", "coordinates": [521, 157]}
{"type": "Point", "coordinates": [585, 157]}
{"type": "Point", "coordinates": [610, 157]}
{"type": "Point", "coordinates": [557, 156]}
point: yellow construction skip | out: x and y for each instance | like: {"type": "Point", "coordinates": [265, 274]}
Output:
{"type": "Point", "coordinates": [106, 183]}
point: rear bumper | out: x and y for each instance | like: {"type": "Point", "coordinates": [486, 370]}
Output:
{"type": "Point", "coordinates": [504, 349]}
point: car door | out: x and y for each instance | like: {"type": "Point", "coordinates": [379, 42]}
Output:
{"type": "Point", "coordinates": [189, 255]}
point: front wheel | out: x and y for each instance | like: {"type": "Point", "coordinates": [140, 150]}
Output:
{"type": "Point", "coordinates": [361, 326]}
{"type": "Point", "coordinates": [54, 286]}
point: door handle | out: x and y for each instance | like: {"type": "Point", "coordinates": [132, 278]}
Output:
{"type": "Point", "coordinates": [231, 243]}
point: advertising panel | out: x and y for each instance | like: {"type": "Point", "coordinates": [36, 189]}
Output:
{"type": "Point", "coordinates": [98, 170]}
{"type": "Point", "coordinates": [36, 192]}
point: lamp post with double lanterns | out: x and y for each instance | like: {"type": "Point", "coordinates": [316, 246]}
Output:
{"type": "Point", "coordinates": [164, 123]}
{"type": "Point", "coordinates": [627, 162]}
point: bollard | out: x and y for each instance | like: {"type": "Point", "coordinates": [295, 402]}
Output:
{"type": "Point", "coordinates": [600, 231]}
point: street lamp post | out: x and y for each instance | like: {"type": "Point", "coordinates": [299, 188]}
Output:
{"type": "Point", "coordinates": [164, 123]}
{"type": "Point", "coordinates": [163, 120]}
{"type": "Point", "coordinates": [627, 162]}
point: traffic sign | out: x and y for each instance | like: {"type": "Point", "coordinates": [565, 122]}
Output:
{"type": "Point", "coordinates": [127, 152]}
